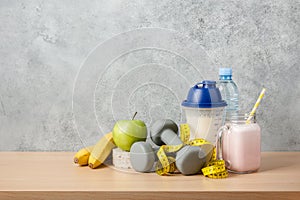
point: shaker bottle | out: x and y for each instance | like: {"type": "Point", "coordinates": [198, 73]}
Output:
{"type": "Point", "coordinates": [239, 144]}
{"type": "Point", "coordinates": [204, 109]}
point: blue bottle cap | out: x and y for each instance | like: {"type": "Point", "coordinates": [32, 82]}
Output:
{"type": "Point", "coordinates": [225, 72]}
{"type": "Point", "coordinates": [204, 95]}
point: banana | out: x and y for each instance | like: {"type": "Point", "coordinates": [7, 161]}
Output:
{"type": "Point", "coordinates": [82, 156]}
{"type": "Point", "coordinates": [101, 150]}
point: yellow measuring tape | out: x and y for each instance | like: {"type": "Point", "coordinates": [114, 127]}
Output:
{"type": "Point", "coordinates": [215, 169]}
{"type": "Point", "coordinates": [166, 164]}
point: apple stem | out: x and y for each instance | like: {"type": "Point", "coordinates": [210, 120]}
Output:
{"type": "Point", "coordinates": [134, 116]}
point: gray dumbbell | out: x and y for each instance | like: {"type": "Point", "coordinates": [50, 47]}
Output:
{"type": "Point", "coordinates": [190, 158]}
{"type": "Point", "coordinates": [142, 155]}
{"type": "Point", "coordinates": [165, 132]}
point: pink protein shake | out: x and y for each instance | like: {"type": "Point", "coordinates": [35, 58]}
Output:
{"type": "Point", "coordinates": [241, 146]}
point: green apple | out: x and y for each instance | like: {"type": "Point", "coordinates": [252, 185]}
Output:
{"type": "Point", "coordinates": [127, 132]}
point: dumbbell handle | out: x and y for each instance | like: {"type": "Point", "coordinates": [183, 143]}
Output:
{"type": "Point", "coordinates": [170, 138]}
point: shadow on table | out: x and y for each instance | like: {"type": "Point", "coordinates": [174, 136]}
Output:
{"type": "Point", "coordinates": [272, 162]}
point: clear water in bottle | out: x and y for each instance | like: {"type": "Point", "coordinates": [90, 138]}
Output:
{"type": "Point", "coordinates": [229, 92]}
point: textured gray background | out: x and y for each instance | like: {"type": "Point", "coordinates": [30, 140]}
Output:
{"type": "Point", "coordinates": [43, 44]}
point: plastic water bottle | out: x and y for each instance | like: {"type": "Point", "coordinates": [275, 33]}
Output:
{"type": "Point", "coordinates": [229, 92]}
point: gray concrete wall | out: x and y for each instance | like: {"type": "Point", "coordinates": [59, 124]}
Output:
{"type": "Point", "coordinates": [69, 69]}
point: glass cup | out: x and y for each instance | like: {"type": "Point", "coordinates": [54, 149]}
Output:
{"type": "Point", "coordinates": [238, 144]}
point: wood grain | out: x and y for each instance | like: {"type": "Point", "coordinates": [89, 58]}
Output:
{"type": "Point", "coordinates": [52, 175]}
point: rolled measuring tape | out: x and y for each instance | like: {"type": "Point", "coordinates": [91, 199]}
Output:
{"type": "Point", "coordinates": [215, 169]}
{"type": "Point", "coordinates": [166, 164]}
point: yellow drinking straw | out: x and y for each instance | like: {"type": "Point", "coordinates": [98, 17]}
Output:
{"type": "Point", "coordinates": [262, 93]}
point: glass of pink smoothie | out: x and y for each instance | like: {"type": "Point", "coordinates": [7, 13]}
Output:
{"type": "Point", "coordinates": [239, 144]}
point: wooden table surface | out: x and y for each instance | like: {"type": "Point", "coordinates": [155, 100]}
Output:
{"type": "Point", "coordinates": [52, 175]}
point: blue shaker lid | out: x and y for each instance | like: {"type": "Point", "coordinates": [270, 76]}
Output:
{"type": "Point", "coordinates": [204, 95]}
